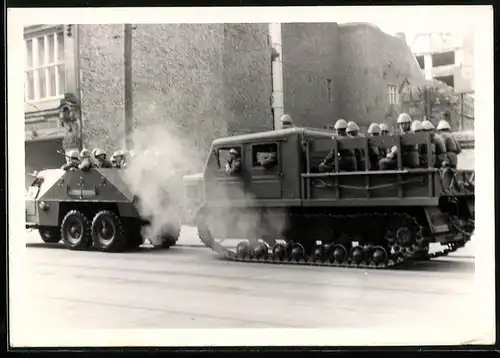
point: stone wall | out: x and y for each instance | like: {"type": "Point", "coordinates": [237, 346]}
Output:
{"type": "Point", "coordinates": [371, 60]}
{"type": "Point", "coordinates": [311, 72]}
{"type": "Point", "coordinates": [204, 80]}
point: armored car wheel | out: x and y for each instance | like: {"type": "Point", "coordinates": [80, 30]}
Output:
{"type": "Point", "coordinates": [75, 231]}
{"type": "Point", "coordinates": [49, 234]}
{"type": "Point", "coordinates": [108, 233]}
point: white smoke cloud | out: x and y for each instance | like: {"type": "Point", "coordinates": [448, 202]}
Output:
{"type": "Point", "coordinates": [163, 154]}
{"type": "Point", "coordinates": [155, 173]}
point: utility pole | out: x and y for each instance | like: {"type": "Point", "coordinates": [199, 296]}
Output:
{"type": "Point", "coordinates": [129, 115]}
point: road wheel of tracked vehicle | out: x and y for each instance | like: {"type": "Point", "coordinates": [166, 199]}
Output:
{"type": "Point", "coordinates": [50, 235]}
{"type": "Point", "coordinates": [108, 232]}
{"type": "Point", "coordinates": [75, 231]}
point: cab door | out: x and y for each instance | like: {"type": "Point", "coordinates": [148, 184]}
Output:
{"type": "Point", "coordinates": [219, 186]}
{"type": "Point", "coordinates": [265, 166]}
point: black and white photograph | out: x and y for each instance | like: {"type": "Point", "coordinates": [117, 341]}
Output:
{"type": "Point", "coordinates": [251, 176]}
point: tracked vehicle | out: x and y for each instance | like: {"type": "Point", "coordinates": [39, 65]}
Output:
{"type": "Point", "coordinates": [88, 208]}
{"type": "Point", "coordinates": [292, 213]}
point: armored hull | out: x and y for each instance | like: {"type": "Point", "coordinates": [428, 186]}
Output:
{"type": "Point", "coordinates": [88, 208]}
{"type": "Point", "coordinates": [291, 213]}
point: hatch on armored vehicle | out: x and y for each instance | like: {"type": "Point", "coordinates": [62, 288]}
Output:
{"type": "Point", "coordinates": [290, 212]}
{"type": "Point", "coordinates": [88, 208]}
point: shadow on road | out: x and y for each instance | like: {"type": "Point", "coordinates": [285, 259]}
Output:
{"type": "Point", "coordinates": [142, 249]}
{"type": "Point", "coordinates": [439, 265]}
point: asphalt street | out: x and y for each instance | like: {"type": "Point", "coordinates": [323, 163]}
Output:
{"type": "Point", "coordinates": [188, 286]}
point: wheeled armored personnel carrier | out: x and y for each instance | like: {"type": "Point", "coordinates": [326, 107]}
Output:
{"type": "Point", "coordinates": [289, 212]}
{"type": "Point", "coordinates": [88, 208]}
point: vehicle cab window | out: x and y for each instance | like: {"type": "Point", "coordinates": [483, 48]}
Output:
{"type": "Point", "coordinates": [265, 155]}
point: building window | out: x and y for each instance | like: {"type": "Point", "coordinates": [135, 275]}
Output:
{"type": "Point", "coordinates": [443, 59]}
{"type": "Point", "coordinates": [393, 94]}
{"type": "Point", "coordinates": [44, 67]}
{"type": "Point", "coordinates": [449, 80]}
{"type": "Point", "coordinates": [421, 61]}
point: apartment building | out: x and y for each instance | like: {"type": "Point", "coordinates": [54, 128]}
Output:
{"type": "Point", "coordinates": [447, 57]}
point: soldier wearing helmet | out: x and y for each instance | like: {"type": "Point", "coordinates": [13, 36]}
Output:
{"type": "Point", "coordinates": [85, 161]}
{"type": "Point", "coordinates": [404, 122]}
{"type": "Point", "coordinates": [352, 129]}
{"type": "Point", "coordinates": [118, 159]}
{"type": "Point", "coordinates": [233, 164]}
{"type": "Point", "coordinates": [374, 130]}
{"type": "Point", "coordinates": [409, 153]}
{"type": "Point", "coordinates": [102, 161]}
{"type": "Point", "coordinates": [341, 127]}
{"type": "Point", "coordinates": [384, 129]}
{"type": "Point", "coordinates": [375, 152]}
{"type": "Point", "coordinates": [416, 126]}
{"type": "Point", "coordinates": [286, 121]}
{"type": "Point", "coordinates": [347, 159]}
{"type": "Point", "coordinates": [437, 144]}
{"type": "Point", "coordinates": [353, 132]}
{"type": "Point", "coordinates": [73, 162]}
{"type": "Point", "coordinates": [452, 146]}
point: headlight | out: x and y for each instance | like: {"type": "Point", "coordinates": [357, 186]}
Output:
{"type": "Point", "coordinates": [43, 206]}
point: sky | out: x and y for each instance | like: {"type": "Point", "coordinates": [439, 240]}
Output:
{"type": "Point", "coordinates": [412, 20]}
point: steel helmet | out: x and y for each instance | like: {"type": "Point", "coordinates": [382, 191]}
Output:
{"type": "Point", "coordinates": [286, 119]}
{"type": "Point", "coordinates": [117, 153]}
{"type": "Point", "coordinates": [383, 127]}
{"type": "Point", "coordinates": [443, 125]}
{"type": "Point", "coordinates": [427, 125]}
{"type": "Point", "coordinates": [416, 126]}
{"type": "Point", "coordinates": [352, 127]}
{"type": "Point", "coordinates": [340, 124]}
{"type": "Point", "coordinates": [85, 153]}
{"type": "Point", "coordinates": [404, 118]}
{"type": "Point", "coordinates": [233, 151]}
{"type": "Point", "coordinates": [73, 154]}
{"type": "Point", "coordinates": [99, 152]}
{"type": "Point", "coordinates": [374, 128]}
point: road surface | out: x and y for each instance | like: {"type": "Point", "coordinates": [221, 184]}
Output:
{"type": "Point", "coordinates": [188, 286]}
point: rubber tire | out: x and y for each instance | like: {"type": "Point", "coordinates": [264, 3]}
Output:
{"type": "Point", "coordinates": [54, 232]}
{"type": "Point", "coordinates": [86, 240]}
{"type": "Point", "coordinates": [118, 243]}
{"type": "Point", "coordinates": [170, 239]}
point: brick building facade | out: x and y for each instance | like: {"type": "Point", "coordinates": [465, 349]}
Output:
{"type": "Point", "coordinates": [210, 80]}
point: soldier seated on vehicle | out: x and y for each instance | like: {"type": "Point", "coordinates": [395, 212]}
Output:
{"type": "Point", "coordinates": [267, 160]}
{"type": "Point", "coordinates": [384, 129]}
{"type": "Point", "coordinates": [353, 132]}
{"type": "Point", "coordinates": [286, 121]}
{"type": "Point", "coordinates": [233, 164]}
{"type": "Point", "coordinates": [437, 144]}
{"type": "Point", "coordinates": [409, 153]}
{"type": "Point", "coordinates": [416, 127]}
{"type": "Point", "coordinates": [453, 148]}
{"type": "Point", "coordinates": [375, 152]}
{"type": "Point", "coordinates": [102, 162]}
{"type": "Point", "coordinates": [118, 157]}
{"type": "Point", "coordinates": [73, 161]}
{"type": "Point", "coordinates": [85, 161]}
{"type": "Point", "coordinates": [347, 159]}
